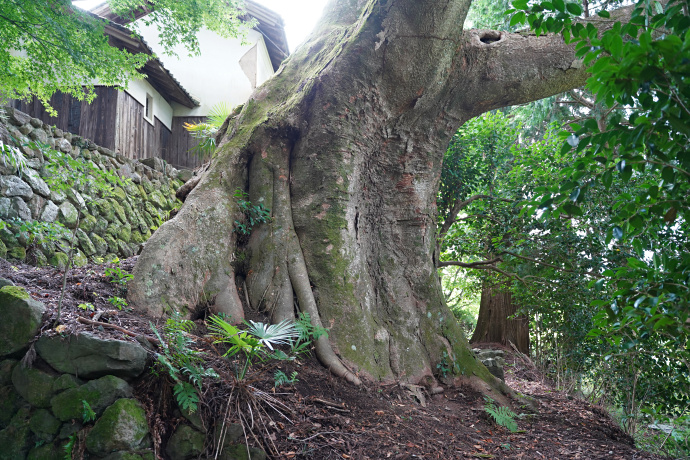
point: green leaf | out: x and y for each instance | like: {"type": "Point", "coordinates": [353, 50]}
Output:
{"type": "Point", "coordinates": [574, 9]}
{"type": "Point", "coordinates": [519, 4]}
{"type": "Point", "coordinates": [607, 178]}
{"type": "Point", "coordinates": [604, 14]}
{"type": "Point", "coordinates": [517, 18]}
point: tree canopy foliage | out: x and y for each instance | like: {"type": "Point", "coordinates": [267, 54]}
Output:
{"type": "Point", "coordinates": [594, 237]}
{"type": "Point", "coordinates": [51, 46]}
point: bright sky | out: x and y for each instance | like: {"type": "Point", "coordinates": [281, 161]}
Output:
{"type": "Point", "coordinates": [300, 16]}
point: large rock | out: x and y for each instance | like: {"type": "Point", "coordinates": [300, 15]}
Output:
{"type": "Point", "coordinates": [50, 212]}
{"type": "Point", "coordinates": [68, 214]}
{"type": "Point", "coordinates": [14, 207]}
{"type": "Point", "coordinates": [16, 438]}
{"type": "Point", "coordinates": [185, 443]}
{"type": "Point", "coordinates": [122, 427]}
{"type": "Point", "coordinates": [47, 452]}
{"type": "Point", "coordinates": [34, 385]}
{"type": "Point", "coordinates": [14, 186]}
{"type": "Point", "coordinates": [37, 184]}
{"type": "Point", "coordinates": [21, 317]}
{"type": "Point", "coordinates": [99, 394]}
{"type": "Point", "coordinates": [44, 425]}
{"type": "Point", "coordinates": [88, 356]}
{"type": "Point", "coordinates": [10, 402]}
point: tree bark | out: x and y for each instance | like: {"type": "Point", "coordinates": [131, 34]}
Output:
{"type": "Point", "coordinates": [494, 323]}
{"type": "Point", "coordinates": [344, 146]}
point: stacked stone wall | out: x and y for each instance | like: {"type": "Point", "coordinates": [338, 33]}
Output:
{"type": "Point", "coordinates": [110, 225]}
{"type": "Point", "coordinates": [75, 392]}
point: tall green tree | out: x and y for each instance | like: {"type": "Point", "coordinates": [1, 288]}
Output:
{"type": "Point", "coordinates": [50, 45]}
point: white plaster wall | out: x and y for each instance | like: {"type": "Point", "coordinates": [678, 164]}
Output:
{"type": "Point", "coordinates": [161, 108]}
{"type": "Point", "coordinates": [214, 76]}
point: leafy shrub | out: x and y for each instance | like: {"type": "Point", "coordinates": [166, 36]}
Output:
{"type": "Point", "coordinates": [183, 364]}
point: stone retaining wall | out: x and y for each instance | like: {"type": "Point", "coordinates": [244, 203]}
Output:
{"type": "Point", "coordinates": [110, 226]}
{"type": "Point", "coordinates": [79, 388]}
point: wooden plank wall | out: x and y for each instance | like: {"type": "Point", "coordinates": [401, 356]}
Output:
{"type": "Point", "coordinates": [178, 152]}
{"type": "Point", "coordinates": [115, 120]}
{"type": "Point", "coordinates": [98, 118]}
{"type": "Point", "coordinates": [136, 138]}
{"type": "Point", "coordinates": [93, 121]}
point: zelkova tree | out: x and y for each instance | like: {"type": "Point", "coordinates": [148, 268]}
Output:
{"type": "Point", "coordinates": [344, 146]}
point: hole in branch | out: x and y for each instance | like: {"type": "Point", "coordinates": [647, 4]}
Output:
{"type": "Point", "coordinates": [490, 36]}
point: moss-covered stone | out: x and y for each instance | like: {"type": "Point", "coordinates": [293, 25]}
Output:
{"type": "Point", "coordinates": [6, 367]}
{"type": "Point", "coordinates": [142, 192]}
{"type": "Point", "coordinates": [21, 317]}
{"type": "Point", "coordinates": [99, 244]}
{"type": "Point", "coordinates": [119, 195]}
{"type": "Point", "coordinates": [34, 385]}
{"type": "Point", "coordinates": [185, 443]}
{"type": "Point", "coordinates": [85, 243]}
{"type": "Point", "coordinates": [137, 237]}
{"type": "Point", "coordinates": [79, 259]}
{"type": "Point", "coordinates": [99, 393]}
{"type": "Point", "coordinates": [16, 252]}
{"type": "Point", "coordinates": [124, 249]}
{"type": "Point", "coordinates": [10, 402]}
{"type": "Point", "coordinates": [101, 226]}
{"type": "Point", "coordinates": [8, 238]}
{"type": "Point", "coordinates": [118, 210]}
{"type": "Point", "coordinates": [122, 427]}
{"type": "Point", "coordinates": [66, 382]}
{"type": "Point", "coordinates": [44, 425]}
{"type": "Point", "coordinates": [39, 259]}
{"type": "Point", "coordinates": [52, 451]}
{"type": "Point", "coordinates": [158, 199]}
{"type": "Point", "coordinates": [16, 438]}
{"type": "Point", "coordinates": [105, 209]}
{"type": "Point", "coordinates": [68, 215]}
{"type": "Point", "coordinates": [3, 250]}
{"type": "Point", "coordinates": [88, 223]}
{"type": "Point", "coordinates": [125, 234]}
{"type": "Point", "coordinates": [59, 260]}
{"type": "Point", "coordinates": [147, 185]}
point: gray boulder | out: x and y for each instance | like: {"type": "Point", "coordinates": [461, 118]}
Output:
{"type": "Point", "coordinates": [122, 427]}
{"type": "Point", "coordinates": [34, 385]}
{"type": "Point", "coordinates": [21, 318]}
{"type": "Point", "coordinates": [50, 212]}
{"type": "Point", "coordinates": [185, 443]}
{"type": "Point", "coordinates": [88, 356]}
{"type": "Point", "coordinates": [37, 184]}
{"type": "Point", "coordinates": [99, 394]}
{"type": "Point", "coordinates": [13, 186]}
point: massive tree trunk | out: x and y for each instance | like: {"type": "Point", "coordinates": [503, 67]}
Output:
{"type": "Point", "coordinates": [344, 146]}
{"type": "Point", "coordinates": [495, 324]}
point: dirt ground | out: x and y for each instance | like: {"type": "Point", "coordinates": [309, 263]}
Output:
{"type": "Point", "coordinates": [323, 417]}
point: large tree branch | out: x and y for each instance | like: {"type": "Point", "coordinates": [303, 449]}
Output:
{"type": "Point", "coordinates": [497, 69]}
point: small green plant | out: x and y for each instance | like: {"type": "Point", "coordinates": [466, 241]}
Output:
{"type": "Point", "coordinates": [280, 378]}
{"type": "Point", "coordinates": [503, 416]}
{"type": "Point", "coordinates": [69, 447]}
{"type": "Point", "coordinates": [118, 276]}
{"type": "Point", "coordinates": [253, 214]}
{"type": "Point", "coordinates": [86, 306]}
{"type": "Point", "coordinates": [446, 365]}
{"type": "Point", "coordinates": [256, 343]}
{"type": "Point", "coordinates": [307, 333]}
{"type": "Point", "coordinates": [38, 232]}
{"type": "Point", "coordinates": [206, 131]}
{"type": "Point", "coordinates": [183, 364]}
{"type": "Point", "coordinates": [118, 302]}
{"type": "Point", "coordinates": [87, 414]}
